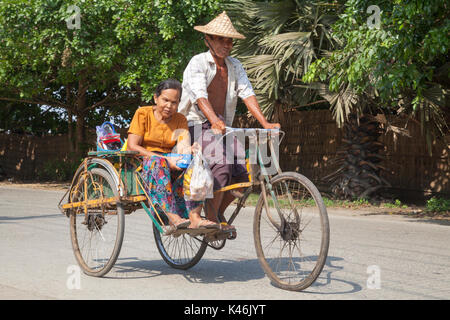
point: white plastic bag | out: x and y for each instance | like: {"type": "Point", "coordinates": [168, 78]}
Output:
{"type": "Point", "coordinates": [198, 180]}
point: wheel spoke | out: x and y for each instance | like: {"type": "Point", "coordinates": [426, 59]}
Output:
{"type": "Point", "coordinates": [182, 251]}
{"type": "Point", "coordinates": [290, 255]}
{"type": "Point", "coordinates": [99, 237]}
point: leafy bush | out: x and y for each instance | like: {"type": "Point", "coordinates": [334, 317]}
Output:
{"type": "Point", "coordinates": [57, 170]}
{"type": "Point", "coordinates": [438, 205]}
{"type": "Point", "coordinates": [397, 204]}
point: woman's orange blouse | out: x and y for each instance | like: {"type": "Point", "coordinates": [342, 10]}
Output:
{"type": "Point", "coordinates": [157, 136]}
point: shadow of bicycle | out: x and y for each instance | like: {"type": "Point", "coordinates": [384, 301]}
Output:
{"type": "Point", "coordinates": [327, 279]}
{"type": "Point", "coordinates": [216, 271]}
{"type": "Point", "coordinates": [206, 271]}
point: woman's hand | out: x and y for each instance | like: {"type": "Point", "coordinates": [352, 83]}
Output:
{"type": "Point", "coordinates": [172, 161]}
{"type": "Point", "coordinates": [195, 147]}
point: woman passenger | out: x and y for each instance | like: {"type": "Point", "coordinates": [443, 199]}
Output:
{"type": "Point", "coordinates": [160, 129]}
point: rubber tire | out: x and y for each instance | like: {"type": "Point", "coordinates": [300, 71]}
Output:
{"type": "Point", "coordinates": [325, 239]}
{"type": "Point", "coordinates": [166, 257]}
{"type": "Point", "coordinates": [119, 236]}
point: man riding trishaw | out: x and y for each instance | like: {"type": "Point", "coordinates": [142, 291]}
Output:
{"type": "Point", "coordinates": [212, 83]}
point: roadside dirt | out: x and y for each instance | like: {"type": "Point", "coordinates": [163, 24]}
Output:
{"type": "Point", "coordinates": [37, 185]}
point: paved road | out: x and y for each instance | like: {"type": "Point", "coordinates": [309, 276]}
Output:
{"type": "Point", "coordinates": [411, 259]}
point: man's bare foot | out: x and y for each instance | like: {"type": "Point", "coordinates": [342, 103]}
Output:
{"type": "Point", "coordinates": [223, 223]}
{"type": "Point", "coordinates": [204, 224]}
{"type": "Point", "coordinates": [197, 221]}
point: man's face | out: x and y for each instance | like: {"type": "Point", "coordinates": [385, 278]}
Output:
{"type": "Point", "coordinates": [221, 46]}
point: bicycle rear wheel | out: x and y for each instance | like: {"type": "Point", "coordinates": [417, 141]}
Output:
{"type": "Point", "coordinates": [180, 251]}
{"type": "Point", "coordinates": [292, 241]}
{"type": "Point", "coordinates": [96, 236]}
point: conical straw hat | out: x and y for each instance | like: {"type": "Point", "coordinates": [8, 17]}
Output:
{"type": "Point", "coordinates": [220, 26]}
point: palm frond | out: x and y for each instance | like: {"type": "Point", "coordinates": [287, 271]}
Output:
{"type": "Point", "coordinates": [273, 16]}
{"type": "Point", "coordinates": [262, 70]}
{"type": "Point", "coordinates": [283, 38]}
{"type": "Point", "coordinates": [430, 111]}
{"type": "Point", "coordinates": [342, 103]}
{"type": "Point", "coordinates": [294, 50]}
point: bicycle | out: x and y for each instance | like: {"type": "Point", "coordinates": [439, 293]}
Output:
{"type": "Point", "coordinates": [290, 226]}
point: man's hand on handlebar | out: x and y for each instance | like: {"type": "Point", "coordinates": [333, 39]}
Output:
{"type": "Point", "coordinates": [272, 126]}
{"type": "Point", "coordinates": [218, 127]}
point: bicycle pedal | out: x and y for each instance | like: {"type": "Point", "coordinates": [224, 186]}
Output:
{"type": "Point", "coordinates": [216, 236]}
{"type": "Point", "coordinates": [232, 237]}
{"type": "Point", "coordinates": [194, 232]}
{"type": "Point", "coordinates": [224, 224]}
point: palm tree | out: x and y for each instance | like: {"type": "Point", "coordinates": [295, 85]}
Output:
{"type": "Point", "coordinates": [287, 39]}
{"type": "Point", "coordinates": [283, 38]}
{"type": "Point", "coordinates": [359, 159]}
{"type": "Point", "coordinates": [379, 73]}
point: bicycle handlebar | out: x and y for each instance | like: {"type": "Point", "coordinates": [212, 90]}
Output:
{"type": "Point", "coordinates": [269, 131]}
{"type": "Point", "coordinates": [250, 129]}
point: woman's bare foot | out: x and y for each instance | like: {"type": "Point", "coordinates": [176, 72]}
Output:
{"type": "Point", "coordinates": [175, 219]}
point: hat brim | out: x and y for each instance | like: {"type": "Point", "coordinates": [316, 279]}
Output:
{"type": "Point", "coordinates": [205, 30]}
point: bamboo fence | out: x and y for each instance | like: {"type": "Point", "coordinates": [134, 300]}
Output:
{"type": "Point", "coordinates": [311, 141]}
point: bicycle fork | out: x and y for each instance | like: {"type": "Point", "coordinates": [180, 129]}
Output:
{"type": "Point", "coordinates": [267, 186]}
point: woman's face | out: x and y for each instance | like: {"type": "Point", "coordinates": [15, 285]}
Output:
{"type": "Point", "coordinates": [167, 102]}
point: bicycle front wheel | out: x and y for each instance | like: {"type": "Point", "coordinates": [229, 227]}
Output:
{"type": "Point", "coordinates": [291, 239]}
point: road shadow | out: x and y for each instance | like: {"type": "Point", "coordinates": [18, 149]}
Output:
{"type": "Point", "coordinates": [413, 217]}
{"type": "Point", "coordinates": [223, 270]}
{"type": "Point", "coordinates": [4, 219]}
{"type": "Point", "coordinates": [326, 278]}
{"type": "Point", "coordinates": [206, 271]}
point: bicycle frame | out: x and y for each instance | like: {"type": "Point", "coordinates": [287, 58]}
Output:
{"type": "Point", "coordinates": [108, 185]}
{"type": "Point", "coordinates": [137, 194]}
{"type": "Point", "coordinates": [263, 179]}
{"type": "Point", "coordinates": [131, 192]}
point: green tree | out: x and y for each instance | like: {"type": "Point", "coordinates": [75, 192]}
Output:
{"type": "Point", "coordinates": [399, 67]}
{"type": "Point", "coordinates": [30, 119]}
{"type": "Point", "coordinates": [284, 38]}
{"type": "Point", "coordinates": [402, 66]}
{"type": "Point", "coordinates": [109, 62]}
{"type": "Point", "coordinates": [301, 53]}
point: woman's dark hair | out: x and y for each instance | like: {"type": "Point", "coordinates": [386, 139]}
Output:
{"type": "Point", "coordinates": [168, 84]}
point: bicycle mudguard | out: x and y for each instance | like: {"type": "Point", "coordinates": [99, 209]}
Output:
{"type": "Point", "coordinates": [105, 164]}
